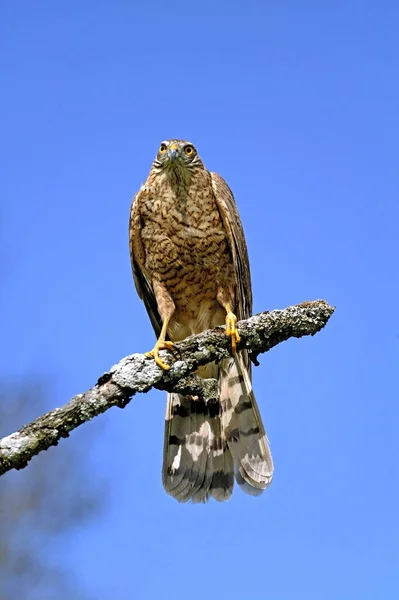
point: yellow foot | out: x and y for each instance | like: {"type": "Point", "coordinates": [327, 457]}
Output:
{"type": "Point", "coordinates": [231, 330]}
{"type": "Point", "coordinates": [155, 353]}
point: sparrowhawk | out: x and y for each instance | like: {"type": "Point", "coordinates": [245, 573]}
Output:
{"type": "Point", "coordinates": [190, 266]}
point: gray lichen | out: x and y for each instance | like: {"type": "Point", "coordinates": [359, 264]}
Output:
{"type": "Point", "coordinates": [138, 373]}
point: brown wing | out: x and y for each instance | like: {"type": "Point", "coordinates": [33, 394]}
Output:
{"type": "Point", "coordinates": [241, 420]}
{"type": "Point", "coordinates": [232, 222]}
{"type": "Point", "coordinates": [235, 233]}
{"type": "Point", "coordinates": [137, 258]}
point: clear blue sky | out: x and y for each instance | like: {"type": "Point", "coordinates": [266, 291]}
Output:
{"type": "Point", "coordinates": [296, 104]}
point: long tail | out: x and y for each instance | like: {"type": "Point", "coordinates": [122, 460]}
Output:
{"type": "Point", "coordinates": [243, 428]}
{"type": "Point", "coordinates": [207, 444]}
{"type": "Point", "coordinates": [197, 463]}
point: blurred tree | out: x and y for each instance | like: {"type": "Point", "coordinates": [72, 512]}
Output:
{"type": "Point", "coordinates": [39, 505]}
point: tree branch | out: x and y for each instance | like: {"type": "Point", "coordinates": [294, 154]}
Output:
{"type": "Point", "coordinates": [138, 373]}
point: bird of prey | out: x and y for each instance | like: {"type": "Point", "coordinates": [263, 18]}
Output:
{"type": "Point", "coordinates": [190, 267]}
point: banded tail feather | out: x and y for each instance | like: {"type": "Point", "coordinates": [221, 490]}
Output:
{"type": "Point", "coordinates": [208, 444]}
{"type": "Point", "coordinates": [197, 464]}
{"type": "Point", "coordinates": [243, 427]}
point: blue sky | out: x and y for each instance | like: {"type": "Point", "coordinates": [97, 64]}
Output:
{"type": "Point", "coordinates": [296, 104]}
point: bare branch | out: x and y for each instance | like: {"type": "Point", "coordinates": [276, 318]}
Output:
{"type": "Point", "coordinates": [138, 373]}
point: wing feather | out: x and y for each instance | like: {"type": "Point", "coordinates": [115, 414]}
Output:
{"type": "Point", "coordinates": [137, 258]}
{"type": "Point", "coordinates": [238, 247]}
{"type": "Point", "coordinates": [241, 419]}
{"type": "Point", "coordinates": [232, 222]}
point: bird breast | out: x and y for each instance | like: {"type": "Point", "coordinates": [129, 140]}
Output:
{"type": "Point", "coordinates": [183, 232]}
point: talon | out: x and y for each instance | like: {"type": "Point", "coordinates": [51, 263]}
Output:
{"type": "Point", "coordinates": [231, 331]}
{"type": "Point", "coordinates": [154, 353]}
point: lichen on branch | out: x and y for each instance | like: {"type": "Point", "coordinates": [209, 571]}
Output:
{"type": "Point", "coordinates": [138, 373]}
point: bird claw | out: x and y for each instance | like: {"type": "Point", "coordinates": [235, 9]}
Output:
{"type": "Point", "coordinates": [154, 353]}
{"type": "Point", "coordinates": [231, 331]}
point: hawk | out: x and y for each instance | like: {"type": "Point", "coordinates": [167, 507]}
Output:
{"type": "Point", "coordinates": [190, 267]}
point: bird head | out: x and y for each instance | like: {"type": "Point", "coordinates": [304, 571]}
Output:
{"type": "Point", "coordinates": [176, 155]}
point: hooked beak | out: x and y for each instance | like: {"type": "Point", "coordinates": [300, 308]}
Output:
{"type": "Point", "coordinates": [173, 152]}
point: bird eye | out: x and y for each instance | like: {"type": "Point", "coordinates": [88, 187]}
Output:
{"type": "Point", "coordinates": [162, 148]}
{"type": "Point", "coordinates": [189, 150]}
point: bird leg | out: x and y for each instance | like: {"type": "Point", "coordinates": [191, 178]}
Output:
{"type": "Point", "coordinates": [166, 308]}
{"type": "Point", "coordinates": [231, 328]}
{"type": "Point", "coordinates": [231, 319]}
{"type": "Point", "coordinates": [161, 344]}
